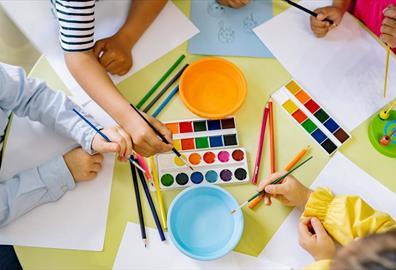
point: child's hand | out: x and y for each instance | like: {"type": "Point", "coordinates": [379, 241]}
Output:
{"type": "Point", "coordinates": [145, 140]}
{"type": "Point", "coordinates": [233, 3]}
{"type": "Point", "coordinates": [320, 27]}
{"type": "Point", "coordinates": [314, 239]}
{"type": "Point", "coordinates": [114, 54]}
{"type": "Point", "coordinates": [388, 28]}
{"type": "Point", "coordinates": [82, 165]}
{"type": "Point", "coordinates": [121, 143]}
{"type": "Point", "coordinates": [289, 192]}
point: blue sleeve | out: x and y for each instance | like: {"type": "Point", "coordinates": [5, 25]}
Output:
{"type": "Point", "coordinates": [31, 188]}
{"type": "Point", "coordinates": [34, 99]}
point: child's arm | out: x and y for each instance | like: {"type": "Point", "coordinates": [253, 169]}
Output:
{"type": "Point", "coordinates": [234, 3]}
{"type": "Point", "coordinates": [346, 217]}
{"type": "Point", "coordinates": [114, 53]}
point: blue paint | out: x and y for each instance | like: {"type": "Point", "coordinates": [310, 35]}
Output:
{"type": "Point", "coordinates": [214, 124]}
{"type": "Point", "coordinates": [201, 225]}
{"type": "Point", "coordinates": [331, 125]}
{"type": "Point", "coordinates": [197, 177]}
{"type": "Point", "coordinates": [211, 176]}
{"type": "Point", "coordinates": [319, 136]}
{"type": "Point", "coordinates": [216, 141]}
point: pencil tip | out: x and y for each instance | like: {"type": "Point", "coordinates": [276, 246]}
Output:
{"type": "Point", "coordinates": [233, 211]}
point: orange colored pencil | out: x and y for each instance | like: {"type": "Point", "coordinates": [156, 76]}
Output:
{"type": "Point", "coordinates": [288, 167]}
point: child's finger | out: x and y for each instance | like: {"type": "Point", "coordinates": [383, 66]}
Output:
{"type": "Point", "coordinates": [269, 179]}
{"type": "Point", "coordinates": [97, 158]}
{"type": "Point", "coordinates": [388, 39]}
{"type": "Point", "coordinates": [389, 22]}
{"type": "Point", "coordinates": [99, 48]}
{"type": "Point", "coordinates": [128, 140]}
{"type": "Point", "coordinates": [267, 200]}
{"type": "Point", "coordinates": [106, 59]}
{"type": "Point", "coordinates": [303, 229]}
{"type": "Point", "coordinates": [96, 167]}
{"type": "Point", "coordinates": [318, 227]}
{"type": "Point", "coordinates": [390, 12]}
{"type": "Point", "coordinates": [387, 30]}
{"type": "Point", "coordinates": [277, 189]}
{"type": "Point", "coordinates": [109, 147]}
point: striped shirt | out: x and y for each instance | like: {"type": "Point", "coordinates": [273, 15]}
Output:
{"type": "Point", "coordinates": [76, 24]}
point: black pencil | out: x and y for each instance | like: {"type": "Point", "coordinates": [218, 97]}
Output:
{"type": "Point", "coordinates": [152, 207]}
{"type": "Point", "coordinates": [162, 137]}
{"type": "Point", "coordinates": [166, 87]}
{"type": "Point", "coordinates": [306, 10]}
{"type": "Point", "coordinates": [138, 203]}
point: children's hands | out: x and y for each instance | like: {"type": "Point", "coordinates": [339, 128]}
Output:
{"type": "Point", "coordinates": [289, 192]}
{"type": "Point", "coordinates": [121, 143]}
{"type": "Point", "coordinates": [233, 3]}
{"type": "Point", "coordinates": [388, 28]}
{"type": "Point", "coordinates": [319, 26]}
{"type": "Point", "coordinates": [314, 239]}
{"type": "Point", "coordinates": [82, 165]}
{"type": "Point", "coordinates": [114, 54]}
{"type": "Point", "coordinates": [145, 141]}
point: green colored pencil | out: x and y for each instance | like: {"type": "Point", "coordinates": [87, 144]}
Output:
{"type": "Point", "coordinates": [276, 181]}
{"type": "Point", "coordinates": [160, 81]}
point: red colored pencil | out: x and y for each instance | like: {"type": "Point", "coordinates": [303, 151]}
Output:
{"type": "Point", "coordinates": [260, 145]}
{"type": "Point", "coordinates": [272, 135]}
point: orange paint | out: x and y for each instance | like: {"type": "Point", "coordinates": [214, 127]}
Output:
{"type": "Point", "coordinates": [299, 116]}
{"type": "Point", "coordinates": [194, 158]}
{"type": "Point", "coordinates": [174, 127]}
{"type": "Point", "coordinates": [302, 96]}
{"type": "Point", "coordinates": [188, 144]}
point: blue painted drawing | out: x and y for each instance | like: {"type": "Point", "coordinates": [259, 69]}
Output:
{"type": "Point", "coordinates": [226, 31]}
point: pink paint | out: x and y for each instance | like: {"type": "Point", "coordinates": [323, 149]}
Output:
{"type": "Point", "coordinates": [223, 156]}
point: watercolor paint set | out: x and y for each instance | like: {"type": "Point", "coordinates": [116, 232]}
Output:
{"type": "Point", "coordinates": [311, 117]}
{"type": "Point", "coordinates": [220, 166]}
{"type": "Point", "coordinates": [197, 134]}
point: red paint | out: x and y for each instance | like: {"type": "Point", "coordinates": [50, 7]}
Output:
{"type": "Point", "coordinates": [209, 157]}
{"type": "Point", "coordinates": [299, 116]}
{"type": "Point", "coordinates": [238, 155]}
{"type": "Point", "coordinates": [187, 144]}
{"type": "Point", "coordinates": [312, 106]}
{"type": "Point", "coordinates": [186, 127]}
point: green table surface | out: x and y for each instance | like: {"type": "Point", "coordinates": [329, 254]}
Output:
{"type": "Point", "coordinates": [264, 76]}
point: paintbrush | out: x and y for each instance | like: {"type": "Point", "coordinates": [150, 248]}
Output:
{"type": "Point", "coordinates": [310, 12]}
{"type": "Point", "coordinates": [276, 181]}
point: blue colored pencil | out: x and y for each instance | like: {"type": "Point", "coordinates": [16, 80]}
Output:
{"type": "Point", "coordinates": [105, 137]}
{"type": "Point", "coordinates": [166, 101]}
{"type": "Point", "coordinates": [152, 207]}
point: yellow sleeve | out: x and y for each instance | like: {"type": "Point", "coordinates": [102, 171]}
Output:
{"type": "Point", "coordinates": [346, 217]}
{"type": "Point", "coordinates": [319, 265]}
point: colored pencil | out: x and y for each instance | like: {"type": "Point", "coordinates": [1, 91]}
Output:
{"type": "Point", "coordinates": [166, 87]}
{"type": "Point", "coordinates": [104, 136]}
{"type": "Point", "coordinates": [152, 207]}
{"type": "Point", "coordinates": [386, 70]}
{"type": "Point", "coordinates": [160, 81]}
{"type": "Point", "coordinates": [158, 192]}
{"type": "Point", "coordinates": [310, 12]}
{"type": "Point", "coordinates": [260, 145]}
{"type": "Point", "coordinates": [288, 167]}
{"type": "Point", "coordinates": [142, 163]}
{"type": "Point", "coordinates": [276, 181]}
{"type": "Point", "coordinates": [138, 203]}
{"type": "Point", "coordinates": [272, 136]}
{"type": "Point", "coordinates": [162, 138]}
{"type": "Point", "coordinates": [166, 101]}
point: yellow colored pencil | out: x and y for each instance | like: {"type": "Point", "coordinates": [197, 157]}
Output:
{"type": "Point", "coordinates": [386, 70]}
{"type": "Point", "coordinates": [158, 192]}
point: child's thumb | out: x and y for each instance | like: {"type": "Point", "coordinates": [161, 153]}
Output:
{"type": "Point", "coordinates": [318, 227]}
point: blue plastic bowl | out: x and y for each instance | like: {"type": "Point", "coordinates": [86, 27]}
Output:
{"type": "Point", "coordinates": [200, 223]}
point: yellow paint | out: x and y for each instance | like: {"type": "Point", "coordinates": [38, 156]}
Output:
{"type": "Point", "coordinates": [293, 87]}
{"type": "Point", "coordinates": [177, 144]}
{"type": "Point", "coordinates": [290, 106]}
{"type": "Point", "coordinates": [178, 161]}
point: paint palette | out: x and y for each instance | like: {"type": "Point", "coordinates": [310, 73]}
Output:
{"type": "Point", "coordinates": [312, 117]}
{"type": "Point", "coordinates": [197, 134]}
{"type": "Point", "coordinates": [222, 166]}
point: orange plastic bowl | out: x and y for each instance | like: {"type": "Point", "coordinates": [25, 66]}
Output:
{"type": "Point", "coordinates": [213, 88]}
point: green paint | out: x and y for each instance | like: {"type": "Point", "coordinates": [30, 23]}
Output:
{"type": "Point", "coordinates": [309, 126]}
{"type": "Point", "coordinates": [202, 142]}
{"type": "Point", "coordinates": [167, 180]}
{"type": "Point", "coordinates": [321, 115]}
{"type": "Point", "coordinates": [200, 126]}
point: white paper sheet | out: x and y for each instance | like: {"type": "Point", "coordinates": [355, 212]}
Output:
{"type": "Point", "coordinates": [344, 71]}
{"type": "Point", "coordinates": [35, 18]}
{"type": "Point", "coordinates": [164, 255]}
{"type": "Point", "coordinates": [343, 177]}
{"type": "Point", "coordinates": [76, 221]}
